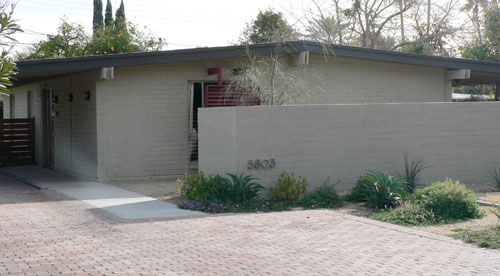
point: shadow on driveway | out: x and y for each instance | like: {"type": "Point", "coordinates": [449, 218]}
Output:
{"type": "Point", "coordinates": [119, 202]}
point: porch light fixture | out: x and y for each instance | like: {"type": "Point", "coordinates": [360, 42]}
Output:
{"type": "Point", "coordinates": [86, 95]}
{"type": "Point", "coordinates": [69, 97]}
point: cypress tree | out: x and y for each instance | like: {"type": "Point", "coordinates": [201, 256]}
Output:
{"type": "Point", "coordinates": [120, 16]}
{"type": "Point", "coordinates": [108, 18]}
{"type": "Point", "coordinates": [97, 22]}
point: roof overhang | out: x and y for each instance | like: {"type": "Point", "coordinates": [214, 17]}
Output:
{"type": "Point", "coordinates": [38, 70]}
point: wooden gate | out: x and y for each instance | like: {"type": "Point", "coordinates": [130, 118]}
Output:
{"type": "Point", "coordinates": [17, 142]}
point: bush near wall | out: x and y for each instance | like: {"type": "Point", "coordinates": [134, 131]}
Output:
{"type": "Point", "coordinates": [198, 187]}
{"type": "Point", "coordinates": [239, 193]}
{"type": "Point", "coordinates": [408, 214]}
{"type": "Point", "coordinates": [289, 188]}
{"type": "Point", "coordinates": [449, 200]}
{"type": "Point", "coordinates": [325, 196]}
{"type": "Point", "coordinates": [442, 202]}
{"type": "Point", "coordinates": [378, 189]}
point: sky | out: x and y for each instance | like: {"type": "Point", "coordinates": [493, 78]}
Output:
{"type": "Point", "coordinates": [183, 23]}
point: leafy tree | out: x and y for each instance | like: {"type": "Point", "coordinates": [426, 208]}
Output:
{"type": "Point", "coordinates": [70, 41]}
{"type": "Point", "coordinates": [120, 20]}
{"type": "Point", "coordinates": [327, 24]}
{"type": "Point", "coordinates": [108, 17]}
{"type": "Point", "coordinates": [473, 10]}
{"type": "Point", "coordinates": [116, 37]}
{"type": "Point", "coordinates": [492, 22]}
{"type": "Point", "coordinates": [365, 23]}
{"type": "Point", "coordinates": [372, 19]}
{"type": "Point", "coordinates": [8, 27]}
{"type": "Point", "coordinates": [97, 23]}
{"type": "Point", "coordinates": [417, 26]}
{"type": "Point", "coordinates": [478, 51]}
{"type": "Point", "coordinates": [431, 28]}
{"type": "Point", "coordinates": [117, 40]}
{"type": "Point", "coordinates": [487, 45]}
{"type": "Point", "coordinates": [269, 26]}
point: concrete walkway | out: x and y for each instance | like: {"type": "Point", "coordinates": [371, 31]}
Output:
{"type": "Point", "coordinates": [119, 202]}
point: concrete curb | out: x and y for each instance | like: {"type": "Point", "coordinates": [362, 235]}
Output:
{"type": "Point", "coordinates": [22, 180]}
{"type": "Point", "coordinates": [486, 203]}
{"type": "Point", "coordinates": [485, 194]}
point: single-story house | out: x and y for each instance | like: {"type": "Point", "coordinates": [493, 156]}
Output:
{"type": "Point", "coordinates": [126, 116]}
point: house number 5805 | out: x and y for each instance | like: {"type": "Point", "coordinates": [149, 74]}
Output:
{"type": "Point", "coordinates": [256, 164]}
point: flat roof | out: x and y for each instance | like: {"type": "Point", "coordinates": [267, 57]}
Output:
{"type": "Point", "coordinates": [38, 70]}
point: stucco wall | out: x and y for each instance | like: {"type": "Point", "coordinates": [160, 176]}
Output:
{"type": "Point", "coordinates": [457, 140]}
{"type": "Point", "coordinates": [75, 136]}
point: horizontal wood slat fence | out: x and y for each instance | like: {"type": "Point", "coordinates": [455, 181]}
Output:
{"type": "Point", "coordinates": [17, 142]}
{"type": "Point", "coordinates": [216, 95]}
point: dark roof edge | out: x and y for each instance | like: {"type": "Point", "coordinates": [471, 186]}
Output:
{"type": "Point", "coordinates": [405, 58]}
{"type": "Point", "coordinates": [58, 65]}
{"type": "Point", "coordinates": [63, 65]}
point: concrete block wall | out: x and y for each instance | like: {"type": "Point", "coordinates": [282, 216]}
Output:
{"type": "Point", "coordinates": [143, 113]}
{"type": "Point", "coordinates": [457, 140]}
{"type": "Point", "coordinates": [143, 120]}
{"type": "Point", "coordinates": [6, 107]}
{"type": "Point", "coordinates": [30, 106]}
{"type": "Point", "coordinates": [348, 80]}
{"type": "Point", "coordinates": [21, 104]}
{"type": "Point", "coordinates": [136, 125]}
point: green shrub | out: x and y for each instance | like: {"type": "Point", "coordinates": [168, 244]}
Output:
{"type": "Point", "coordinates": [288, 188]}
{"type": "Point", "coordinates": [409, 213]}
{"type": "Point", "coordinates": [206, 206]}
{"type": "Point", "coordinates": [382, 190]}
{"type": "Point", "coordinates": [198, 187]}
{"type": "Point", "coordinates": [449, 200]}
{"type": "Point", "coordinates": [412, 167]}
{"type": "Point", "coordinates": [325, 196]}
{"type": "Point", "coordinates": [238, 189]}
{"type": "Point", "coordinates": [358, 192]}
{"type": "Point", "coordinates": [489, 238]}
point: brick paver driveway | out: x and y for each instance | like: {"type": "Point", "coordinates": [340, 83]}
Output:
{"type": "Point", "coordinates": [46, 234]}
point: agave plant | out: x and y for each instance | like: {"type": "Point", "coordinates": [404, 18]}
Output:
{"type": "Point", "coordinates": [382, 190]}
{"type": "Point", "coordinates": [494, 175]}
{"type": "Point", "coordinates": [496, 213]}
{"type": "Point", "coordinates": [239, 188]}
{"type": "Point", "coordinates": [412, 168]}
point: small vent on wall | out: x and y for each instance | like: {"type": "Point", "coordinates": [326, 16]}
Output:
{"type": "Point", "coordinates": [299, 59]}
{"type": "Point", "coordinates": [107, 73]}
